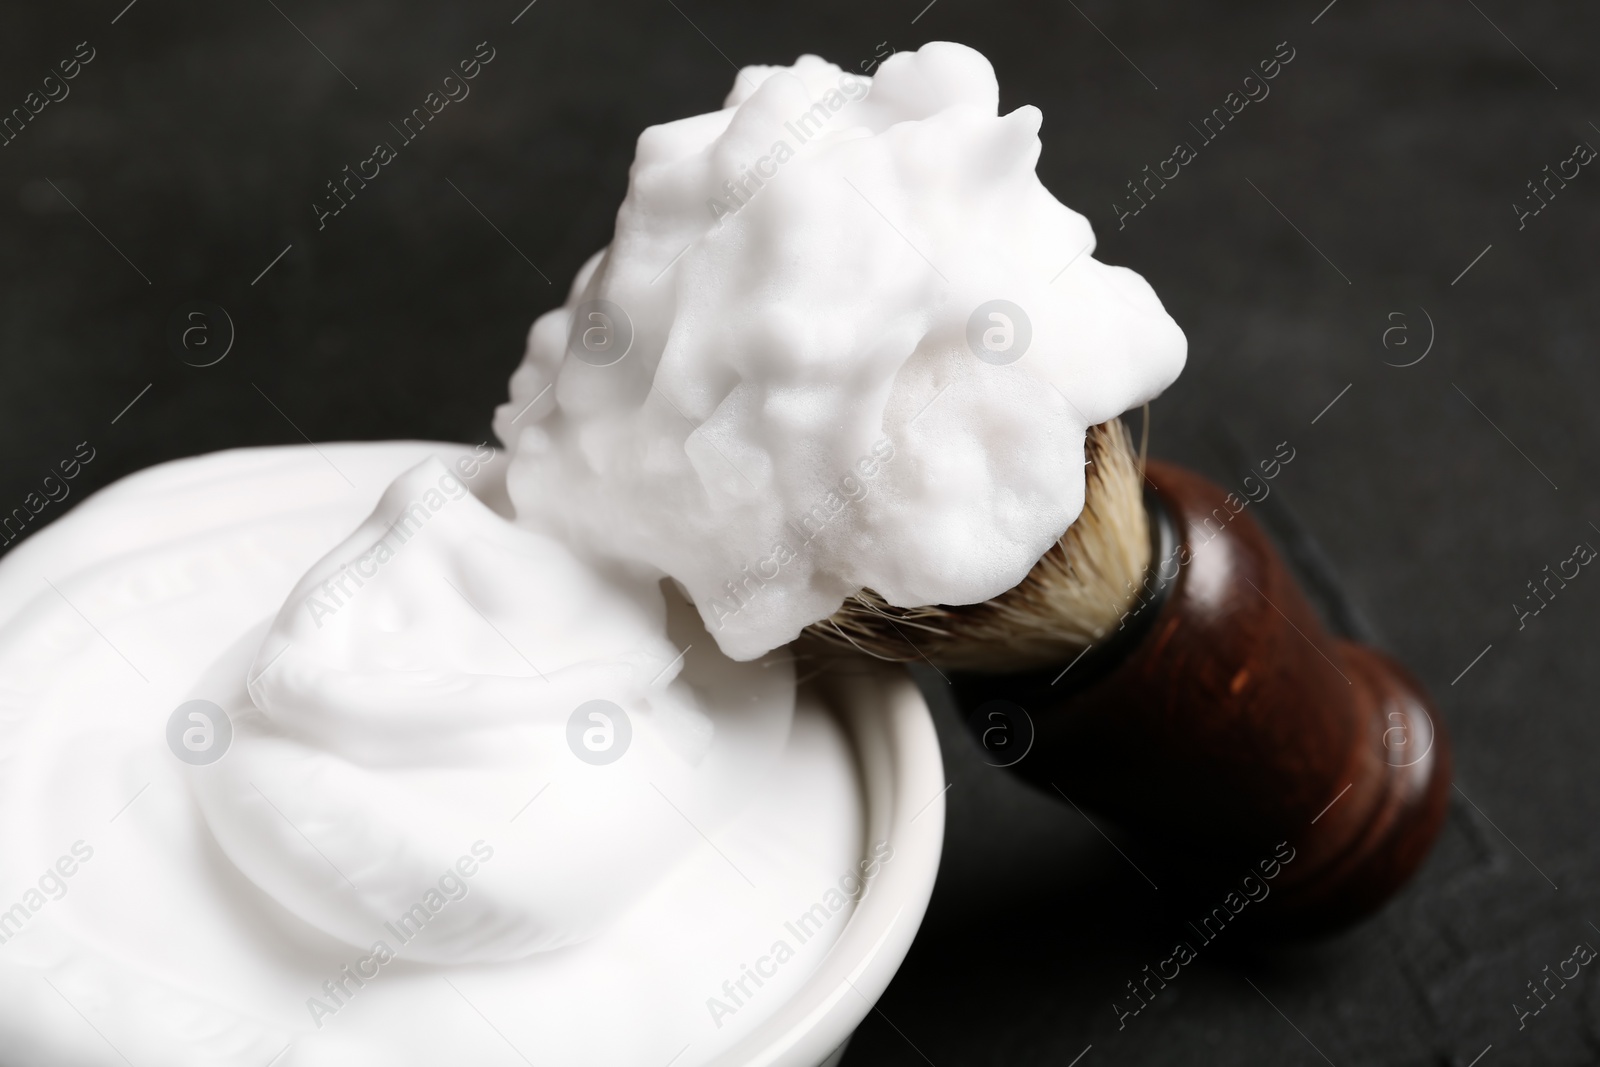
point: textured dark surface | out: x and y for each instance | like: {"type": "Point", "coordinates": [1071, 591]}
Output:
{"type": "Point", "coordinates": [1396, 141]}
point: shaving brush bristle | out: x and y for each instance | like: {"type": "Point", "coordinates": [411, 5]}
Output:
{"type": "Point", "coordinates": [1072, 598]}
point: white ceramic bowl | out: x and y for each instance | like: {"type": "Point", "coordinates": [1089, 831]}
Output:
{"type": "Point", "coordinates": [899, 764]}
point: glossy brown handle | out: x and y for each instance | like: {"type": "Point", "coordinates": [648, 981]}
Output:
{"type": "Point", "coordinates": [1233, 721]}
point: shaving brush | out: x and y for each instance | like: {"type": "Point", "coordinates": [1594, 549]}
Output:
{"type": "Point", "coordinates": [1160, 667]}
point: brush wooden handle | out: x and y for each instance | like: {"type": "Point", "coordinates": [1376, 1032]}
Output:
{"type": "Point", "coordinates": [1230, 721]}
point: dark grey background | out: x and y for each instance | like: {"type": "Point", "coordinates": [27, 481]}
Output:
{"type": "Point", "coordinates": [1396, 142]}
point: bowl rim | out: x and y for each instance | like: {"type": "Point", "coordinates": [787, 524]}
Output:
{"type": "Point", "coordinates": [902, 777]}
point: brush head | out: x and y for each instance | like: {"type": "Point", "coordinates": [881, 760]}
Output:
{"type": "Point", "coordinates": [1075, 596]}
